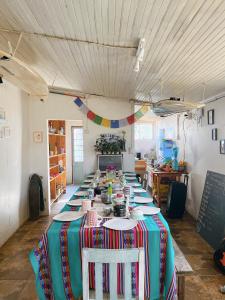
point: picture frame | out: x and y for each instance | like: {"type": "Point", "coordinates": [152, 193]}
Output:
{"type": "Point", "coordinates": [38, 136]}
{"type": "Point", "coordinates": [222, 146]}
{"type": "Point", "coordinates": [211, 117]}
{"type": "Point", "coordinates": [2, 116]}
{"type": "Point", "coordinates": [214, 134]}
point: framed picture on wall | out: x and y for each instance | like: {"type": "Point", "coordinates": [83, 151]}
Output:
{"type": "Point", "coordinates": [222, 146]}
{"type": "Point", "coordinates": [211, 116]}
{"type": "Point", "coordinates": [38, 136]}
{"type": "Point", "coordinates": [214, 134]}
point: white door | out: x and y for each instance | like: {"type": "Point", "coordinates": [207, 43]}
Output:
{"type": "Point", "coordinates": [78, 154]}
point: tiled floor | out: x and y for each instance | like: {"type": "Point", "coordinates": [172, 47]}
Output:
{"type": "Point", "coordinates": [17, 279]}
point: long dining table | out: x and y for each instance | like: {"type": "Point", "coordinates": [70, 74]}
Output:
{"type": "Point", "coordinates": [57, 263]}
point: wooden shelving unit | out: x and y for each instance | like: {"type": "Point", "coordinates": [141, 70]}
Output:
{"type": "Point", "coordinates": [57, 158]}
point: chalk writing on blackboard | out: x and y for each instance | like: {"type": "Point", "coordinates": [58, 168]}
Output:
{"type": "Point", "coordinates": [211, 218]}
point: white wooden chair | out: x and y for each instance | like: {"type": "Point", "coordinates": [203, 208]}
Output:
{"type": "Point", "coordinates": [112, 257]}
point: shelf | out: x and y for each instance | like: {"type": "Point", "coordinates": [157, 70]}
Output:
{"type": "Point", "coordinates": [57, 176]}
{"type": "Point", "coordinates": [53, 200]}
{"type": "Point", "coordinates": [56, 144]}
{"type": "Point", "coordinates": [57, 155]}
{"type": "Point", "coordinates": [52, 167]}
{"type": "Point", "coordinates": [56, 134]}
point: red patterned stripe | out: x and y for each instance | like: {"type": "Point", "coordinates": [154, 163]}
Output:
{"type": "Point", "coordinates": [65, 261]}
{"type": "Point", "coordinates": [41, 253]}
{"type": "Point", "coordinates": [172, 292]}
{"type": "Point", "coordinates": [163, 247]}
{"type": "Point", "coordinates": [101, 237]}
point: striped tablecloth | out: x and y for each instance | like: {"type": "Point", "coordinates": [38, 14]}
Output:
{"type": "Point", "coordinates": [56, 259]}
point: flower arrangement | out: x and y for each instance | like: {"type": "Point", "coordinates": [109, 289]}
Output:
{"type": "Point", "coordinates": [110, 144]}
{"type": "Point", "coordinates": [110, 168]}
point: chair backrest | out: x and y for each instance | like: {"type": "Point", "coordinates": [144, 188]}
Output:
{"type": "Point", "coordinates": [112, 257]}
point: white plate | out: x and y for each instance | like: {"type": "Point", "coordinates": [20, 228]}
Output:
{"type": "Point", "coordinates": [133, 184]}
{"type": "Point", "coordinates": [77, 202]}
{"type": "Point", "coordinates": [81, 193]}
{"type": "Point", "coordinates": [88, 181]}
{"type": "Point", "coordinates": [142, 200]}
{"type": "Point", "coordinates": [120, 224]}
{"type": "Point", "coordinates": [139, 191]}
{"type": "Point", "coordinates": [149, 210]}
{"type": "Point", "coordinates": [90, 176]}
{"type": "Point", "coordinates": [85, 186]}
{"type": "Point", "coordinates": [68, 216]}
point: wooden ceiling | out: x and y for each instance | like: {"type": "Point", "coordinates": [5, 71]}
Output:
{"type": "Point", "coordinates": [184, 52]}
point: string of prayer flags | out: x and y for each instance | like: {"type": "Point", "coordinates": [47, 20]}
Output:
{"type": "Point", "coordinates": [110, 123]}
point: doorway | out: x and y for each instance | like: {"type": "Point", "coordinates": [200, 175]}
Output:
{"type": "Point", "coordinates": [77, 135]}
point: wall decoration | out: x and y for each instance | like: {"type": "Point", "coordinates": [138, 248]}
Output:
{"type": "Point", "coordinates": [111, 144]}
{"type": "Point", "coordinates": [214, 134]}
{"type": "Point", "coordinates": [6, 132]}
{"type": "Point", "coordinates": [110, 123]}
{"type": "Point", "coordinates": [38, 136]}
{"type": "Point", "coordinates": [222, 146]}
{"type": "Point", "coordinates": [211, 116]}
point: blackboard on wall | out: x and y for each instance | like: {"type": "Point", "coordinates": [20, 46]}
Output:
{"type": "Point", "coordinates": [211, 218]}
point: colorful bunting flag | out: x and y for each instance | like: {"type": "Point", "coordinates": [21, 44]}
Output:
{"type": "Point", "coordinates": [110, 123]}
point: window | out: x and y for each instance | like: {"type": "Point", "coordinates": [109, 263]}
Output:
{"type": "Point", "coordinates": [78, 144]}
{"type": "Point", "coordinates": [143, 131]}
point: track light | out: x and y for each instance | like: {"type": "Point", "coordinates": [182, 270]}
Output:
{"type": "Point", "coordinates": [137, 66]}
{"type": "Point", "coordinates": [140, 50]}
{"type": "Point", "coordinates": [139, 55]}
{"type": "Point", "coordinates": [1, 81]}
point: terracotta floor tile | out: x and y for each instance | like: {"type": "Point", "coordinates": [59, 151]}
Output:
{"type": "Point", "coordinates": [11, 289]}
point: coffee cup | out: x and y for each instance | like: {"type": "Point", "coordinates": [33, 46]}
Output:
{"type": "Point", "coordinates": [92, 217]}
{"type": "Point", "coordinates": [86, 204]}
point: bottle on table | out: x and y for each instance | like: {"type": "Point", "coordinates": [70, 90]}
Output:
{"type": "Point", "coordinates": [109, 191]}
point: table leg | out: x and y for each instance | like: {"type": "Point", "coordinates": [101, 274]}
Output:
{"type": "Point", "coordinates": [181, 287]}
{"type": "Point", "coordinates": [158, 190]}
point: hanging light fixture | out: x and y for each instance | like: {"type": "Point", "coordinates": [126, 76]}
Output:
{"type": "Point", "coordinates": [139, 55]}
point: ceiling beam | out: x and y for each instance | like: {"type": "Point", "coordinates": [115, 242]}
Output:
{"type": "Point", "coordinates": [64, 38]}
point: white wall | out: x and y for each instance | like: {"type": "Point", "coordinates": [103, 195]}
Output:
{"type": "Point", "coordinates": [201, 152]}
{"type": "Point", "coordinates": [14, 162]}
{"type": "Point", "coordinates": [62, 107]}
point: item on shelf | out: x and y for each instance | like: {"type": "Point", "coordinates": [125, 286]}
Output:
{"type": "Point", "coordinates": [182, 166]}
{"type": "Point", "coordinates": [109, 191]}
